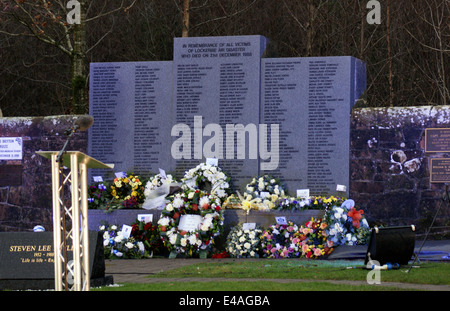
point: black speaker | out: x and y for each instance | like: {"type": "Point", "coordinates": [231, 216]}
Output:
{"type": "Point", "coordinates": [391, 245]}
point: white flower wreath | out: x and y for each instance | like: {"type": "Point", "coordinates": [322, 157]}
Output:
{"type": "Point", "coordinates": [244, 243]}
{"type": "Point", "coordinates": [156, 190]}
{"type": "Point", "coordinates": [157, 181]}
{"type": "Point", "coordinates": [191, 202]}
{"type": "Point", "coordinates": [265, 184]}
{"type": "Point", "coordinates": [262, 193]}
{"type": "Point", "coordinates": [196, 177]}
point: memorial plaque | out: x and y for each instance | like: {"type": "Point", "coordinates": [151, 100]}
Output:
{"type": "Point", "coordinates": [30, 256]}
{"type": "Point", "coordinates": [217, 92]}
{"type": "Point", "coordinates": [131, 106]}
{"type": "Point", "coordinates": [440, 170]}
{"type": "Point", "coordinates": [11, 148]}
{"type": "Point", "coordinates": [437, 140]}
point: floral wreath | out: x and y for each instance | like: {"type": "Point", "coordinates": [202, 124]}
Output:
{"type": "Point", "coordinates": [199, 176]}
{"type": "Point", "coordinates": [156, 190]}
{"type": "Point", "coordinates": [117, 246]}
{"type": "Point", "coordinates": [346, 225]}
{"type": "Point", "coordinates": [244, 243]}
{"type": "Point", "coordinates": [157, 181]}
{"type": "Point", "coordinates": [98, 196]}
{"type": "Point", "coordinates": [277, 241]}
{"type": "Point", "coordinates": [265, 183]}
{"type": "Point", "coordinates": [127, 192]}
{"type": "Point", "coordinates": [311, 239]}
{"type": "Point", "coordinates": [191, 202]}
{"type": "Point", "coordinates": [253, 197]}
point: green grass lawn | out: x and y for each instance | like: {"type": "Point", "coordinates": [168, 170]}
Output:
{"type": "Point", "coordinates": [247, 286]}
{"type": "Point", "coordinates": [428, 273]}
{"type": "Point", "coordinates": [313, 273]}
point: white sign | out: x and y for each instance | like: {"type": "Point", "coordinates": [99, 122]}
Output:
{"type": "Point", "coordinates": [303, 193]}
{"type": "Point", "coordinates": [162, 173]}
{"type": "Point", "coordinates": [212, 161]}
{"type": "Point", "coordinates": [281, 220]}
{"type": "Point", "coordinates": [97, 178]}
{"type": "Point", "coordinates": [341, 188]}
{"type": "Point", "coordinates": [190, 222]}
{"type": "Point", "coordinates": [11, 148]}
{"type": "Point", "coordinates": [121, 174]}
{"type": "Point", "coordinates": [145, 217]}
{"type": "Point", "coordinates": [248, 226]}
{"type": "Point", "coordinates": [264, 194]}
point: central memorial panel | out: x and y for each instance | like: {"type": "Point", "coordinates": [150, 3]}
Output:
{"type": "Point", "coordinates": [217, 87]}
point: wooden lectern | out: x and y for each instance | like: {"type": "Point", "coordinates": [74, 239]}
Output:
{"type": "Point", "coordinates": [74, 274]}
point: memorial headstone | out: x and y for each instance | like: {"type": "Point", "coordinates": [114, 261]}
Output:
{"type": "Point", "coordinates": [27, 260]}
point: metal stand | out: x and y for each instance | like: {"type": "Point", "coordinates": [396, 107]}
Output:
{"type": "Point", "coordinates": [445, 199]}
{"type": "Point", "coordinates": [71, 274]}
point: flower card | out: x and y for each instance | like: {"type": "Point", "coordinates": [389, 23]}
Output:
{"type": "Point", "coordinates": [120, 174]}
{"type": "Point", "coordinates": [162, 173]}
{"type": "Point", "coordinates": [249, 226]}
{"type": "Point", "coordinates": [97, 178]}
{"type": "Point", "coordinates": [126, 231]}
{"type": "Point", "coordinates": [190, 183]}
{"type": "Point", "coordinates": [341, 188]}
{"type": "Point", "coordinates": [303, 193]}
{"type": "Point", "coordinates": [145, 217]}
{"type": "Point", "coordinates": [281, 220]}
{"type": "Point", "coordinates": [190, 223]}
{"type": "Point", "coordinates": [212, 161]}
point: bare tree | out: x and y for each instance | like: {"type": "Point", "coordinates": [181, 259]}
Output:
{"type": "Point", "coordinates": [434, 36]}
{"type": "Point", "coordinates": [47, 21]}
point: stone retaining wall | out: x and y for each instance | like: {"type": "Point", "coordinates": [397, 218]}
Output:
{"type": "Point", "coordinates": [389, 168]}
{"type": "Point", "coordinates": [390, 177]}
{"type": "Point", "coordinates": [27, 201]}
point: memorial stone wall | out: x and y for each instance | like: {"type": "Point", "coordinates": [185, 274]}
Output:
{"type": "Point", "coordinates": [220, 98]}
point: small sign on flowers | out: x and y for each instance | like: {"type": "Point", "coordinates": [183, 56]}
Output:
{"type": "Point", "coordinates": [190, 223]}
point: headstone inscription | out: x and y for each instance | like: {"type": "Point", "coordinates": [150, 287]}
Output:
{"type": "Point", "coordinates": [288, 117]}
{"type": "Point", "coordinates": [27, 260]}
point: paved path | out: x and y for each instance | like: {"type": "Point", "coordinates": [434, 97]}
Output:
{"type": "Point", "coordinates": [137, 271]}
